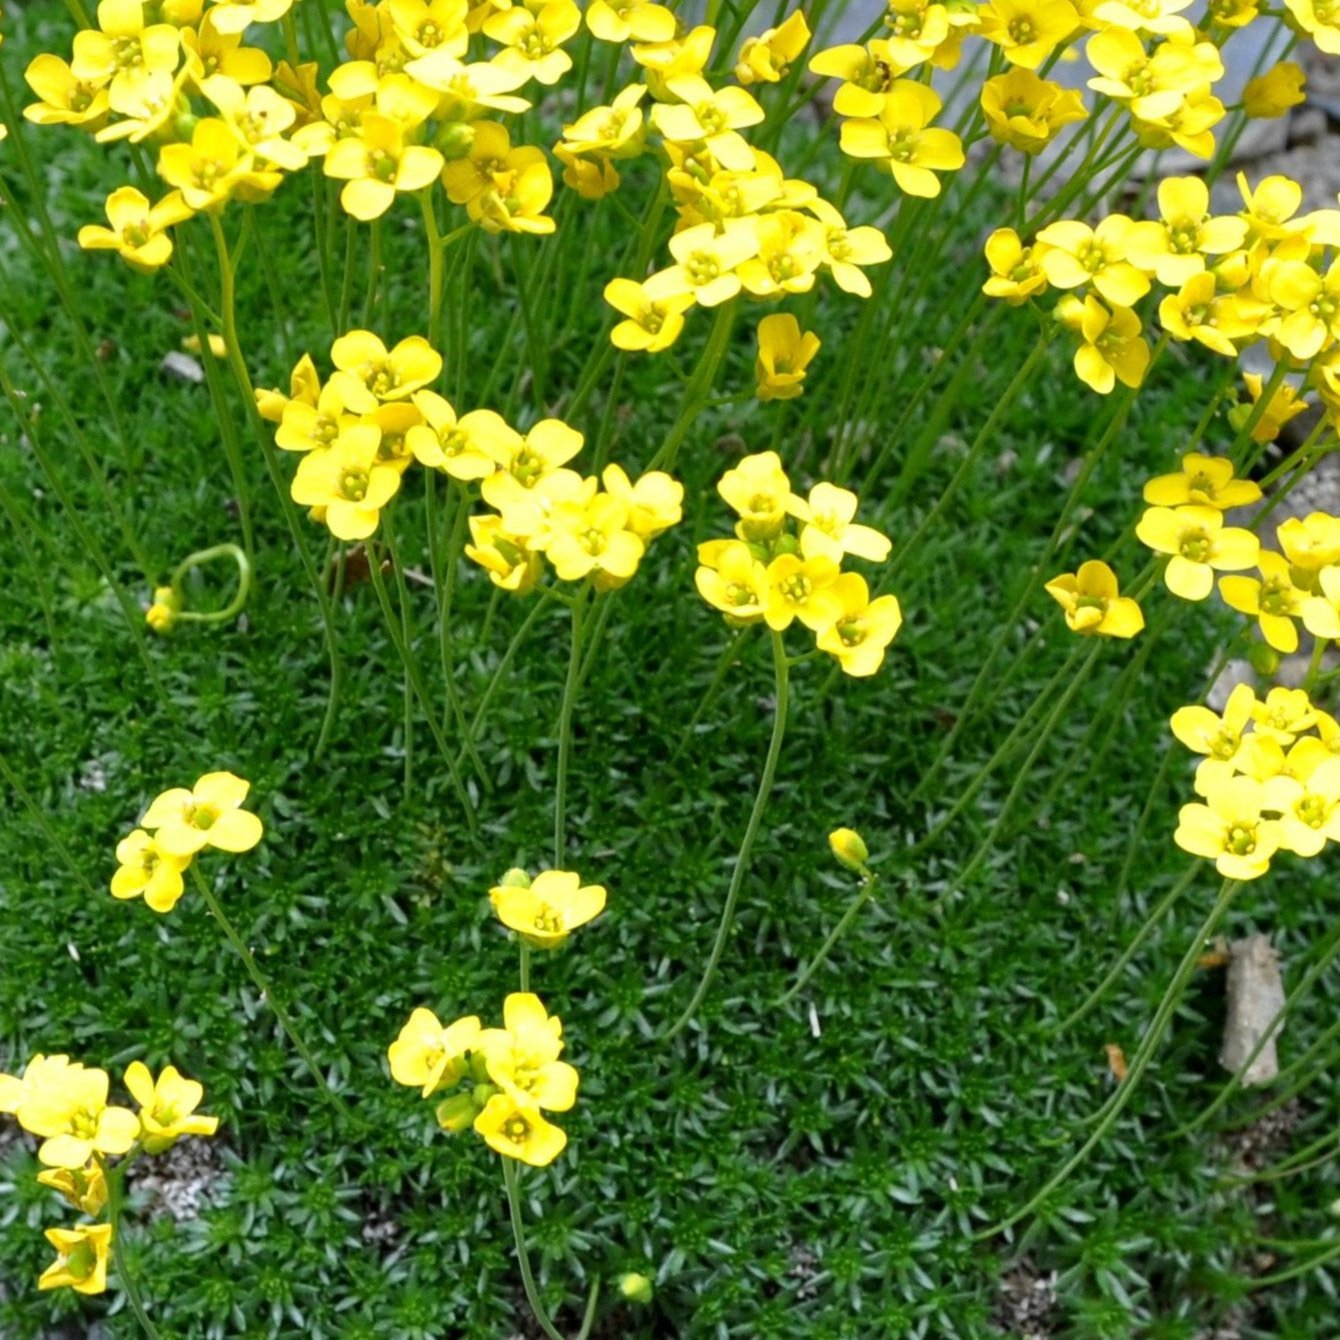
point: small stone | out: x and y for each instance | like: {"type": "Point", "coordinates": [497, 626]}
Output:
{"type": "Point", "coordinates": [1255, 995]}
{"type": "Point", "coordinates": [183, 367]}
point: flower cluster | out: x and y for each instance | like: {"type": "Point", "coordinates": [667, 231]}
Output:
{"type": "Point", "coordinates": [64, 1104]}
{"type": "Point", "coordinates": [376, 415]}
{"type": "Point", "coordinates": [506, 1078]}
{"type": "Point", "coordinates": [152, 859]}
{"type": "Point", "coordinates": [1269, 781]}
{"type": "Point", "coordinates": [1266, 273]}
{"type": "Point", "coordinates": [769, 572]}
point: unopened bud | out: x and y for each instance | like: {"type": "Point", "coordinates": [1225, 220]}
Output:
{"type": "Point", "coordinates": [162, 614]}
{"type": "Point", "coordinates": [1264, 659]}
{"type": "Point", "coordinates": [515, 878]}
{"type": "Point", "coordinates": [635, 1288]}
{"type": "Point", "coordinates": [457, 1113]}
{"type": "Point", "coordinates": [849, 847]}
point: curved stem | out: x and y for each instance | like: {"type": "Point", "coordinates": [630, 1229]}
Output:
{"type": "Point", "coordinates": [1283, 1276]}
{"type": "Point", "coordinates": [699, 388]}
{"type": "Point", "coordinates": [1115, 1105]}
{"type": "Point", "coordinates": [522, 1255]}
{"type": "Point", "coordinates": [868, 884]}
{"type": "Point", "coordinates": [262, 983]}
{"type": "Point", "coordinates": [239, 600]}
{"type": "Point", "coordinates": [780, 672]}
{"type": "Point", "coordinates": [115, 1194]}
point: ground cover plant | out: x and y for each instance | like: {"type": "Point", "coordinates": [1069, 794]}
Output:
{"type": "Point", "coordinates": [605, 662]}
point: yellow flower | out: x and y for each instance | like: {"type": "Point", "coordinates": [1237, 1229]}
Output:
{"type": "Point", "coordinates": [1273, 93]}
{"type": "Point", "coordinates": [348, 482]}
{"type": "Point", "coordinates": [1026, 112]}
{"type": "Point", "coordinates": [1230, 829]}
{"type": "Point", "coordinates": [63, 98]}
{"type": "Point", "coordinates": [463, 448]}
{"type": "Point", "coordinates": [619, 20]}
{"type": "Point", "coordinates": [861, 628]}
{"type": "Point", "coordinates": [144, 868]}
{"type": "Point", "coordinates": [616, 130]}
{"type": "Point", "coordinates": [1218, 737]}
{"type": "Point", "coordinates": [1174, 246]}
{"type": "Point", "coordinates": [767, 58]}
{"type": "Point", "coordinates": [1218, 322]}
{"type": "Point", "coordinates": [138, 232]}
{"type": "Point", "coordinates": [732, 579]}
{"type": "Point", "coordinates": [1028, 31]}
{"type": "Point", "coordinates": [533, 39]}
{"type": "Point", "coordinates": [522, 1056]}
{"type": "Point", "coordinates": [124, 48]}
{"type": "Point", "coordinates": [85, 1188]}
{"type": "Point", "coordinates": [504, 555]}
{"type": "Point", "coordinates": [654, 311]}
{"type": "Point", "coordinates": [431, 25]}
{"type": "Point", "coordinates": [1310, 543]}
{"type": "Point", "coordinates": [714, 116]}
{"type": "Point", "coordinates": [783, 356]}
{"type": "Point", "coordinates": [844, 250]}
{"type": "Point", "coordinates": [1204, 480]}
{"type": "Point", "coordinates": [368, 375]}
{"type": "Point", "coordinates": [518, 1130]}
{"type": "Point", "coordinates": [902, 141]}
{"type": "Point", "coordinates": [828, 529]}
{"type": "Point", "coordinates": [1284, 714]}
{"type": "Point", "coordinates": [1091, 603]}
{"type": "Point", "coordinates": [709, 261]}
{"type": "Point", "coordinates": [1308, 807]}
{"type": "Point", "coordinates": [1309, 304]}
{"type": "Point", "coordinates": [1321, 613]}
{"type": "Point", "coordinates": [213, 166]}
{"type": "Point", "coordinates": [167, 1106]}
{"type": "Point", "coordinates": [208, 815]}
{"type": "Point", "coordinates": [868, 73]}
{"type": "Point", "coordinates": [1285, 404]}
{"type": "Point", "coordinates": [428, 1056]}
{"type": "Point", "coordinates": [40, 1072]}
{"type": "Point", "coordinates": [1319, 20]}
{"type": "Point", "coordinates": [524, 463]}
{"type": "Point", "coordinates": [161, 616]}
{"type": "Point", "coordinates": [804, 589]}
{"type": "Point", "coordinates": [1198, 541]}
{"type": "Point", "coordinates": [591, 538]}
{"type": "Point", "coordinates": [654, 503]}
{"type": "Point", "coordinates": [67, 1108]}
{"type": "Point", "coordinates": [377, 163]}
{"type": "Point", "coordinates": [790, 250]}
{"type": "Point", "coordinates": [758, 491]}
{"type": "Point", "coordinates": [1077, 255]}
{"type": "Point", "coordinates": [1111, 349]}
{"type": "Point", "coordinates": [1273, 600]}
{"type": "Point", "coordinates": [521, 190]}
{"type": "Point", "coordinates": [1016, 270]}
{"type": "Point", "coordinates": [81, 1261]}
{"type": "Point", "coordinates": [548, 909]}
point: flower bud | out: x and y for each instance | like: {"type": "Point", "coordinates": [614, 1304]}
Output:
{"type": "Point", "coordinates": [849, 847]}
{"type": "Point", "coordinates": [515, 878]}
{"type": "Point", "coordinates": [635, 1288]}
{"type": "Point", "coordinates": [1273, 93]}
{"type": "Point", "coordinates": [1264, 659]}
{"type": "Point", "coordinates": [455, 140]}
{"type": "Point", "coordinates": [457, 1113]}
{"type": "Point", "coordinates": [162, 614]}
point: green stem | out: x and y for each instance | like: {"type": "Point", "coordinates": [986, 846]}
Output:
{"type": "Point", "coordinates": [1148, 1044]}
{"type": "Point", "coordinates": [202, 556]}
{"type": "Point", "coordinates": [780, 674]}
{"type": "Point", "coordinates": [868, 883]}
{"type": "Point", "coordinates": [1304, 1268]}
{"type": "Point", "coordinates": [262, 984]}
{"type": "Point", "coordinates": [699, 388]}
{"type": "Point", "coordinates": [522, 1255]}
{"type": "Point", "coordinates": [114, 1178]}
{"type": "Point", "coordinates": [570, 686]}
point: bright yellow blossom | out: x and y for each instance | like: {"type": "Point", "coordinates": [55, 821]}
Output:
{"type": "Point", "coordinates": [1218, 737]}
{"type": "Point", "coordinates": [144, 868]}
{"type": "Point", "coordinates": [804, 589]}
{"type": "Point", "coordinates": [428, 1056]}
{"type": "Point", "coordinates": [518, 1130]}
{"type": "Point", "coordinates": [1028, 31]}
{"type": "Point", "coordinates": [758, 491]}
{"type": "Point", "coordinates": [138, 231]}
{"type": "Point", "coordinates": [1198, 542]}
{"type": "Point", "coordinates": [1092, 604]}
{"type": "Point", "coordinates": [1272, 94]}
{"type": "Point", "coordinates": [369, 375]}
{"type": "Point", "coordinates": [67, 1109]}
{"type": "Point", "coordinates": [1016, 270]}
{"type": "Point", "coordinates": [210, 814]}
{"type": "Point", "coordinates": [1111, 349]}
{"type": "Point", "coordinates": [767, 58]}
{"type": "Point", "coordinates": [1273, 600]}
{"type": "Point", "coordinates": [167, 1106]}
{"type": "Point", "coordinates": [348, 482]}
{"type": "Point", "coordinates": [1205, 480]}
{"type": "Point", "coordinates": [85, 1188]}
{"type": "Point", "coordinates": [1026, 112]}
{"type": "Point", "coordinates": [784, 354]}
{"type": "Point", "coordinates": [81, 1262]}
{"type": "Point", "coordinates": [654, 311]}
{"type": "Point", "coordinates": [1230, 829]}
{"type": "Point", "coordinates": [732, 579]}
{"type": "Point", "coordinates": [902, 141]}
{"type": "Point", "coordinates": [549, 908]}
{"type": "Point", "coordinates": [654, 503]}
{"type": "Point", "coordinates": [862, 629]}
{"type": "Point", "coordinates": [828, 529]}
